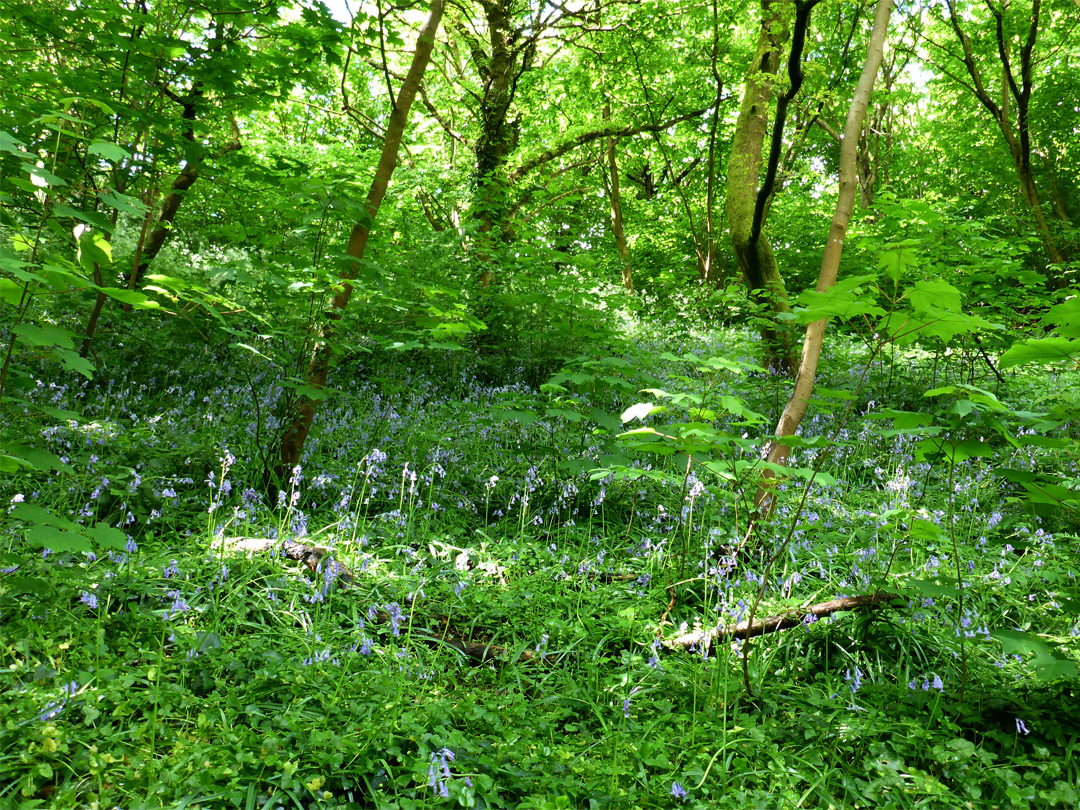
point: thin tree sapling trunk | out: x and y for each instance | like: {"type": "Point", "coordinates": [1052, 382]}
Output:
{"type": "Point", "coordinates": [305, 406]}
{"type": "Point", "coordinates": [834, 247]}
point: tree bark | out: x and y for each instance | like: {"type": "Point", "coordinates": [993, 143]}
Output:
{"type": "Point", "coordinates": [834, 247]}
{"type": "Point", "coordinates": [1016, 94]}
{"type": "Point", "coordinates": [498, 134]}
{"type": "Point", "coordinates": [305, 407]}
{"type": "Point", "coordinates": [747, 197]}
{"type": "Point", "coordinates": [615, 199]}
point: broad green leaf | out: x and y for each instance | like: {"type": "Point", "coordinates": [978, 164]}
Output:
{"type": "Point", "coordinates": [133, 298]}
{"type": "Point", "coordinates": [10, 292]}
{"type": "Point", "coordinates": [56, 539]}
{"type": "Point", "coordinates": [12, 145]}
{"type": "Point", "coordinates": [931, 589]}
{"type": "Point", "coordinates": [924, 530]}
{"type": "Point", "coordinates": [846, 299]}
{"type": "Point", "coordinates": [43, 178]}
{"type": "Point", "coordinates": [73, 362]}
{"type": "Point", "coordinates": [106, 536]}
{"type": "Point", "coordinates": [109, 151]}
{"type": "Point", "coordinates": [521, 417]}
{"type": "Point", "coordinates": [34, 335]}
{"type": "Point", "coordinates": [605, 420]}
{"type": "Point", "coordinates": [564, 413]}
{"type": "Point", "coordinates": [312, 393]}
{"type": "Point", "coordinates": [123, 203]}
{"type": "Point", "coordinates": [94, 248]}
{"type": "Point", "coordinates": [16, 583]}
{"type": "Point", "coordinates": [1041, 350]}
{"type": "Point", "coordinates": [935, 295]}
{"type": "Point", "coordinates": [1066, 317]}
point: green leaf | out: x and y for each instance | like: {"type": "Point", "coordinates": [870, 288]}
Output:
{"type": "Point", "coordinates": [564, 413]}
{"type": "Point", "coordinates": [71, 361]}
{"type": "Point", "coordinates": [606, 420]}
{"type": "Point", "coordinates": [34, 335]}
{"type": "Point", "coordinates": [109, 151]}
{"type": "Point", "coordinates": [316, 394]}
{"type": "Point", "coordinates": [11, 292]}
{"type": "Point", "coordinates": [55, 539]}
{"type": "Point", "coordinates": [94, 248]}
{"type": "Point", "coordinates": [1041, 350]}
{"type": "Point", "coordinates": [32, 513]}
{"type": "Point", "coordinates": [106, 536]}
{"type": "Point", "coordinates": [521, 417]}
{"type": "Point", "coordinates": [123, 203]}
{"type": "Point", "coordinates": [12, 145]}
{"type": "Point", "coordinates": [925, 588]}
{"type": "Point", "coordinates": [846, 300]}
{"type": "Point", "coordinates": [133, 298]}
{"type": "Point", "coordinates": [32, 585]}
{"type": "Point", "coordinates": [1066, 317]}
{"type": "Point", "coordinates": [935, 296]}
{"type": "Point", "coordinates": [924, 530]}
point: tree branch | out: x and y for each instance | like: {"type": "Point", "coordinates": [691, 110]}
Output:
{"type": "Point", "coordinates": [613, 130]}
{"type": "Point", "coordinates": [785, 620]}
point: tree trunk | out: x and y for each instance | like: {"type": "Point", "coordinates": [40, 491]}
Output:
{"type": "Point", "coordinates": [305, 407]}
{"type": "Point", "coordinates": [752, 248]}
{"type": "Point", "coordinates": [498, 134]}
{"type": "Point", "coordinates": [834, 247]}
{"type": "Point", "coordinates": [708, 272]}
{"type": "Point", "coordinates": [616, 212]}
{"type": "Point", "coordinates": [1013, 94]}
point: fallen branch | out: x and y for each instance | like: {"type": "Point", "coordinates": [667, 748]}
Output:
{"type": "Point", "coordinates": [310, 556]}
{"type": "Point", "coordinates": [785, 620]}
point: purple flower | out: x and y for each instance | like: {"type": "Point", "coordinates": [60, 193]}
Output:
{"type": "Point", "coordinates": [89, 599]}
{"type": "Point", "coordinates": [439, 772]}
{"type": "Point", "coordinates": [678, 791]}
{"type": "Point", "coordinates": [394, 611]}
{"type": "Point", "coordinates": [1021, 728]}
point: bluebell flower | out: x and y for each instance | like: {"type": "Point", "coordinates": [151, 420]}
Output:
{"type": "Point", "coordinates": [678, 791]}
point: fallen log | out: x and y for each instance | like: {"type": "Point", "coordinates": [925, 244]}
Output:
{"type": "Point", "coordinates": [785, 620]}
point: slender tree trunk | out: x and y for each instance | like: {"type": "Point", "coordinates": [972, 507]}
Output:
{"type": "Point", "coordinates": [834, 247]}
{"type": "Point", "coordinates": [709, 273]}
{"type": "Point", "coordinates": [1015, 92]}
{"type": "Point", "coordinates": [181, 184]}
{"type": "Point", "coordinates": [616, 211]}
{"type": "Point", "coordinates": [303, 415]}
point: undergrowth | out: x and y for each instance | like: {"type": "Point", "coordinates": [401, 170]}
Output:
{"type": "Point", "coordinates": [574, 541]}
